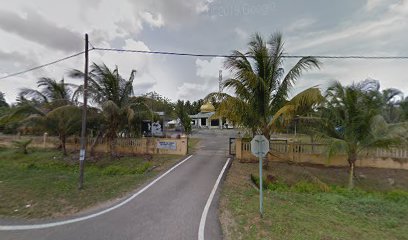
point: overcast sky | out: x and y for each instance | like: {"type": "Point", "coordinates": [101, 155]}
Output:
{"type": "Point", "coordinates": [36, 32]}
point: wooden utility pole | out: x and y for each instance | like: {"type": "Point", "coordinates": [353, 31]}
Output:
{"type": "Point", "coordinates": [82, 151]}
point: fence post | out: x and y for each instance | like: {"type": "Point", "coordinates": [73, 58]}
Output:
{"type": "Point", "coordinates": [238, 148]}
{"type": "Point", "coordinates": [45, 140]}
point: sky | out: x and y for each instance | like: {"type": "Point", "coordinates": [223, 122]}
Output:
{"type": "Point", "coordinates": [36, 32]}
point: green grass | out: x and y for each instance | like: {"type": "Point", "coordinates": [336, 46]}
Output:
{"type": "Point", "coordinates": [43, 184]}
{"type": "Point", "coordinates": [305, 210]}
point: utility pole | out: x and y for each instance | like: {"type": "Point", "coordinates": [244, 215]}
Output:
{"type": "Point", "coordinates": [82, 151]}
{"type": "Point", "coordinates": [220, 81]}
{"type": "Point", "coordinates": [219, 93]}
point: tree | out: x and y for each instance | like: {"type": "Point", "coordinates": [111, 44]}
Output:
{"type": "Point", "coordinates": [51, 93]}
{"type": "Point", "coordinates": [352, 122]}
{"type": "Point", "coordinates": [260, 84]}
{"type": "Point", "coordinates": [63, 121]}
{"type": "Point", "coordinates": [391, 112]}
{"type": "Point", "coordinates": [4, 110]}
{"type": "Point", "coordinates": [182, 114]}
{"type": "Point", "coordinates": [3, 102]}
{"type": "Point", "coordinates": [112, 93]}
{"type": "Point", "coordinates": [404, 108]}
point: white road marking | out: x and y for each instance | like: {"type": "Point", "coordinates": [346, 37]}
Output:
{"type": "Point", "coordinates": [207, 205]}
{"type": "Point", "coordinates": [54, 224]}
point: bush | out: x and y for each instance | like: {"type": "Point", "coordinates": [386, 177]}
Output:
{"type": "Point", "coordinates": [22, 145]}
{"type": "Point", "coordinates": [267, 185]}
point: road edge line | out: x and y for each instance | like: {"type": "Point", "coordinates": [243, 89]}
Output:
{"type": "Point", "coordinates": [209, 201]}
{"type": "Point", "coordinates": [74, 220]}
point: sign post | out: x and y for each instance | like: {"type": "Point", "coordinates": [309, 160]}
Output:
{"type": "Point", "coordinates": [259, 148]}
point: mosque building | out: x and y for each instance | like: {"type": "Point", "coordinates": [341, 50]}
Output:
{"type": "Point", "coordinates": [206, 118]}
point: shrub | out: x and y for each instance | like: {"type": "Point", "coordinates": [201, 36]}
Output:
{"type": "Point", "coordinates": [273, 186]}
{"type": "Point", "coordinates": [22, 145]}
{"type": "Point", "coordinates": [115, 170]}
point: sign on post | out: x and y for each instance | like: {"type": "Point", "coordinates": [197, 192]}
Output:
{"type": "Point", "coordinates": [259, 148]}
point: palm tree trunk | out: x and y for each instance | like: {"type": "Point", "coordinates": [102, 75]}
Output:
{"type": "Point", "coordinates": [92, 150]}
{"type": "Point", "coordinates": [352, 161]}
{"type": "Point", "coordinates": [63, 144]}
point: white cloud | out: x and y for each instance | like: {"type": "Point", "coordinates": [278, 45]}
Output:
{"type": "Point", "coordinates": [241, 33]}
{"type": "Point", "coordinates": [372, 4]}
{"type": "Point", "coordinates": [209, 69]}
{"type": "Point", "coordinates": [155, 21]}
{"type": "Point", "coordinates": [194, 91]}
{"type": "Point", "coordinates": [301, 24]}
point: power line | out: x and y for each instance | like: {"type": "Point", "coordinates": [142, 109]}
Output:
{"type": "Point", "coordinates": [92, 46]}
{"type": "Point", "coordinates": [232, 56]}
{"type": "Point", "coordinates": [162, 53]}
{"type": "Point", "coordinates": [201, 55]}
{"type": "Point", "coordinates": [43, 65]}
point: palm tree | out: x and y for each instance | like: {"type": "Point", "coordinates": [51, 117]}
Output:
{"type": "Point", "coordinates": [391, 112]}
{"type": "Point", "coordinates": [352, 122]}
{"type": "Point", "coordinates": [3, 102]}
{"type": "Point", "coordinates": [63, 121]}
{"type": "Point", "coordinates": [52, 93]}
{"type": "Point", "coordinates": [260, 85]}
{"type": "Point", "coordinates": [111, 92]}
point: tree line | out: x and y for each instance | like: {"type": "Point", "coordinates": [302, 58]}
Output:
{"type": "Point", "coordinates": [55, 107]}
{"type": "Point", "coordinates": [350, 118]}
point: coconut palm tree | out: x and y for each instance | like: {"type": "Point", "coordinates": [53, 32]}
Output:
{"type": "Point", "coordinates": [3, 102]}
{"type": "Point", "coordinates": [391, 111]}
{"type": "Point", "coordinates": [51, 93]}
{"type": "Point", "coordinates": [261, 86]}
{"type": "Point", "coordinates": [63, 121]}
{"type": "Point", "coordinates": [352, 122]}
{"type": "Point", "coordinates": [111, 92]}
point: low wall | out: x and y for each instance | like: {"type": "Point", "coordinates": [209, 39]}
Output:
{"type": "Point", "coordinates": [174, 146]}
{"type": "Point", "coordinates": [171, 146]}
{"type": "Point", "coordinates": [302, 153]}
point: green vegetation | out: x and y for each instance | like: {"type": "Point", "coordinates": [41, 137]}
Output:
{"type": "Point", "coordinates": [296, 207]}
{"type": "Point", "coordinates": [351, 121]}
{"type": "Point", "coordinates": [22, 145]}
{"type": "Point", "coordinates": [45, 183]}
{"type": "Point", "coordinates": [261, 86]}
{"type": "Point", "coordinates": [182, 114]}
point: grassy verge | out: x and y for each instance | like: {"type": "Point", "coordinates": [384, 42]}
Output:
{"type": "Point", "coordinates": [192, 144]}
{"type": "Point", "coordinates": [298, 206]}
{"type": "Point", "coordinates": [43, 184]}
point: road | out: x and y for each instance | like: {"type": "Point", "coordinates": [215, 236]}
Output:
{"type": "Point", "coordinates": [171, 208]}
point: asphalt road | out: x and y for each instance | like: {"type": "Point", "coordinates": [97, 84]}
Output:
{"type": "Point", "coordinates": [169, 209]}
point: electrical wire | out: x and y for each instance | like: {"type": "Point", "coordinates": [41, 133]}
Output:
{"type": "Point", "coordinates": [232, 56]}
{"type": "Point", "coordinates": [200, 55]}
{"type": "Point", "coordinates": [43, 65]}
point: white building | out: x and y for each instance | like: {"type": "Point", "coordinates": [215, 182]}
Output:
{"type": "Point", "coordinates": [205, 118]}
